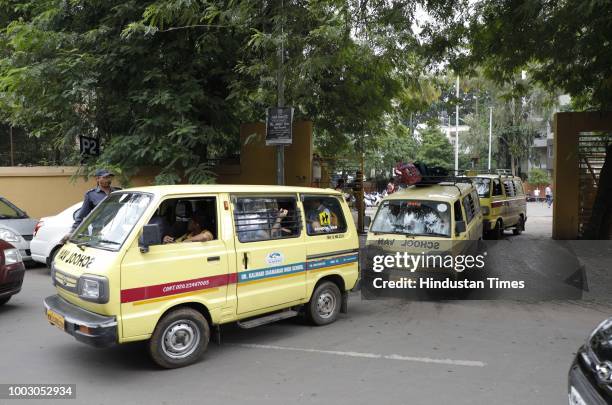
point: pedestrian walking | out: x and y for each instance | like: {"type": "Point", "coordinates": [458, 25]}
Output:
{"type": "Point", "coordinates": [549, 195]}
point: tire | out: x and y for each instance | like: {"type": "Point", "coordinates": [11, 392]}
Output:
{"type": "Point", "coordinates": [498, 232]}
{"type": "Point", "coordinates": [179, 339]}
{"type": "Point", "coordinates": [5, 300]}
{"type": "Point", "coordinates": [520, 227]}
{"type": "Point", "coordinates": [324, 305]}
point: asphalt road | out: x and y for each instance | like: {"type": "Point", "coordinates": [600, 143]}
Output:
{"type": "Point", "coordinates": [390, 352]}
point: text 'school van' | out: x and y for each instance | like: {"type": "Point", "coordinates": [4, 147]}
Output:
{"type": "Point", "coordinates": [167, 264]}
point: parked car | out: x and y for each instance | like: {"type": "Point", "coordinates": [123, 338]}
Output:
{"type": "Point", "coordinates": [590, 376]}
{"type": "Point", "coordinates": [49, 232]}
{"type": "Point", "coordinates": [16, 227]}
{"type": "Point", "coordinates": [12, 271]}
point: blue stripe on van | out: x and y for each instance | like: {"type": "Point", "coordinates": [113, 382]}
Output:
{"type": "Point", "coordinates": [293, 268]}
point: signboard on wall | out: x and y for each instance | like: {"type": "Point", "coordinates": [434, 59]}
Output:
{"type": "Point", "coordinates": [89, 146]}
{"type": "Point", "coordinates": [279, 121]}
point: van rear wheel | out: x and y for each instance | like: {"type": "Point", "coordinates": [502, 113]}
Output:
{"type": "Point", "coordinates": [324, 305]}
{"type": "Point", "coordinates": [180, 338]}
{"type": "Point", "coordinates": [497, 232]}
{"type": "Point", "coordinates": [520, 227]}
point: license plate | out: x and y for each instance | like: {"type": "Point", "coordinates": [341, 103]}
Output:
{"type": "Point", "coordinates": [55, 319]}
{"type": "Point", "coordinates": [575, 398]}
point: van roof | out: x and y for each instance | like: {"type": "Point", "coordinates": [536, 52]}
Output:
{"type": "Point", "coordinates": [436, 192]}
{"type": "Point", "coordinates": [230, 188]}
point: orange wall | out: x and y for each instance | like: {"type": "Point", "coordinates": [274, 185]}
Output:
{"type": "Point", "coordinates": [258, 161]}
{"type": "Point", "coordinates": [43, 191]}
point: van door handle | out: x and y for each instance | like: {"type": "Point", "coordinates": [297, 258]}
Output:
{"type": "Point", "coordinates": [245, 260]}
{"type": "Point", "coordinates": [213, 259]}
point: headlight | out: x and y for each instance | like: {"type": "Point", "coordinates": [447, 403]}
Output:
{"type": "Point", "coordinates": [485, 210]}
{"type": "Point", "coordinates": [9, 235]}
{"type": "Point", "coordinates": [93, 288]}
{"type": "Point", "coordinates": [12, 256]}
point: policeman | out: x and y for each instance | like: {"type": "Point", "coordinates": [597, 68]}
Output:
{"type": "Point", "coordinates": [94, 197]}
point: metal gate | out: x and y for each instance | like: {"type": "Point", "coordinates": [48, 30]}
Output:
{"type": "Point", "coordinates": [591, 156]}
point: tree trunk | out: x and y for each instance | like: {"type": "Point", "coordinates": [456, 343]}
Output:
{"type": "Point", "coordinates": [601, 216]}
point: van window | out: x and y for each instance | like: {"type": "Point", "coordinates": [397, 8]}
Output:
{"type": "Point", "coordinates": [509, 187]}
{"type": "Point", "coordinates": [458, 213]}
{"type": "Point", "coordinates": [468, 206]}
{"type": "Point", "coordinates": [497, 188]}
{"type": "Point", "coordinates": [476, 200]}
{"type": "Point", "coordinates": [518, 186]}
{"type": "Point", "coordinates": [323, 215]}
{"type": "Point", "coordinates": [175, 214]}
{"type": "Point", "coordinates": [483, 185]}
{"type": "Point", "coordinates": [109, 225]}
{"type": "Point", "coordinates": [266, 218]}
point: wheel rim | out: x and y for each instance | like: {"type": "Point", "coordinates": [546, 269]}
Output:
{"type": "Point", "coordinates": [181, 339]}
{"type": "Point", "coordinates": [326, 304]}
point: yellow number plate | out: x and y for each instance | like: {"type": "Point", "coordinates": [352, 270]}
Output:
{"type": "Point", "coordinates": [55, 319]}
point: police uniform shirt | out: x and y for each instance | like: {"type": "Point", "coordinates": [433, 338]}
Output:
{"type": "Point", "coordinates": [92, 198]}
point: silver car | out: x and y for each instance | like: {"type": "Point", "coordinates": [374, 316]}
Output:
{"type": "Point", "coordinates": [16, 228]}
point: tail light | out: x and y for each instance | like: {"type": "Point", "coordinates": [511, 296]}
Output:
{"type": "Point", "coordinates": [37, 227]}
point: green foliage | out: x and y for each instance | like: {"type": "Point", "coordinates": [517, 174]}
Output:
{"type": "Point", "coordinates": [434, 148]}
{"type": "Point", "coordinates": [538, 177]}
{"type": "Point", "coordinates": [167, 83]}
{"type": "Point", "coordinates": [561, 44]}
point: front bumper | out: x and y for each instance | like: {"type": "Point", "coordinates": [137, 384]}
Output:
{"type": "Point", "coordinates": [11, 279]}
{"type": "Point", "coordinates": [584, 381]}
{"type": "Point", "coordinates": [87, 327]}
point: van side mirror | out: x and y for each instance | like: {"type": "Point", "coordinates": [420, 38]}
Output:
{"type": "Point", "coordinates": [459, 227]}
{"type": "Point", "coordinates": [151, 235]}
{"type": "Point", "coordinates": [367, 221]}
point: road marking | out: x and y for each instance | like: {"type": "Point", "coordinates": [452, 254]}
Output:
{"type": "Point", "coordinates": [467, 363]}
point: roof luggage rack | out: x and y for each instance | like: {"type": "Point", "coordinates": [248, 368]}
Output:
{"type": "Point", "coordinates": [433, 180]}
{"type": "Point", "coordinates": [501, 172]}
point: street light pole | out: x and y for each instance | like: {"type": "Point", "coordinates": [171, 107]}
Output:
{"type": "Point", "coordinates": [457, 131]}
{"type": "Point", "coordinates": [280, 149]}
{"type": "Point", "coordinates": [490, 133]}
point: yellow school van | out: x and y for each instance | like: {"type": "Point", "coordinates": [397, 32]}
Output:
{"type": "Point", "coordinates": [170, 264]}
{"type": "Point", "coordinates": [430, 219]}
{"type": "Point", "coordinates": [504, 203]}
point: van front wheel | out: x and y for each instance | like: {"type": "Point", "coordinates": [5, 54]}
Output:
{"type": "Point", "coordinates": [180, 338]}
{"type": "Point", "coordinates": [324, 305]}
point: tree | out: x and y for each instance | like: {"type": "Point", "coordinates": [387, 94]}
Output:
{"type": "Point", "coordinates": [538, 177]}
{"type": "Point", "coordinates": [167, 83]}
{"type": "Point", "coordinates": [557, 43]}
{"type": "Point", "coordinates": [434, 148]}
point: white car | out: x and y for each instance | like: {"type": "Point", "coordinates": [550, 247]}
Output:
{"type": "Point", "coordinates": [49, 232]}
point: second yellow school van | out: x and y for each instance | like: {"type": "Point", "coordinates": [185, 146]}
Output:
{"type": "Point", "coordinates": [170, 264]}
{"type": "Point", "coordinates": [504, 203]}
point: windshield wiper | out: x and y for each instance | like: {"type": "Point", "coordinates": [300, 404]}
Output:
{"type": "Point", "coordinates": [111, 242]}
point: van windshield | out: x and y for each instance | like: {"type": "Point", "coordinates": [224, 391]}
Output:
{"type": "Point", "coordinates": [110, 223]}
{"type": "Point", "coordinates": [413, 217]}
{"type": "Point", "coordinates": [483, 186]}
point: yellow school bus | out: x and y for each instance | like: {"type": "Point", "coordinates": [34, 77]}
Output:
{"type": "Point", "coordinates": [170, 264]}
{"type": "Point", "coordinates": [504, 203]}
